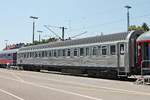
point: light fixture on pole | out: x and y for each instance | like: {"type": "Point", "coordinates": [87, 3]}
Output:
{"type": "Point", "coordinates": [34, 18]}
{"type": "Point", "coordinates": [128, 17]}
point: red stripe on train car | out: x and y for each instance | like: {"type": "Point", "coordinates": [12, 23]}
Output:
{"type": "Point", "coordinates": [142, 41]}
{"type": "Point", "coordinates": [6, 61]}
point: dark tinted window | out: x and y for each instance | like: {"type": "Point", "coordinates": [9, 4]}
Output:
{"type": "Point", "coordinates": [81, 51]}
{"type": "Point", "coordinates": [112, 49]}
{"type": "Point", "coordinates": [68, 52]}
{"type": "Point", "coordinates": [104, 50]}
{"type": "Point", "coordinates": [75, 52]}
{"type": "Point", "coordinates": [94, 50]}
{"type": "Point", "coordinates": [64, 53]}
{"type": "Point", "coordinates": [87, 50]}
{"type": "Point", "coordinates": [122, 49]}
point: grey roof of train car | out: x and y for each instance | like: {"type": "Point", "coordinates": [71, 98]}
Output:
{"type": "Point", "coordinates": [88, 40]}
{"type": "Point", "coordinates": [145, 36]}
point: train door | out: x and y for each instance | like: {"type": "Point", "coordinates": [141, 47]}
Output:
{"type": "Point", "coordinates": [145, 54]}
{"type": "Point", "coordinates": [144, 58]}
{"type": "Point", "coordinates": [121, 59]}
{"type": "Point", "coordinates": [121, 54]}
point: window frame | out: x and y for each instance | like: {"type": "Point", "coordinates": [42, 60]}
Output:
{"type": "Point", "coordinates": [77, 51]}
{"type": "Point", "coordinates": [106, 47]}
{"type": "Point", "coordinates": [87, 49]}
{"type": "Point", "coordinates": [94, 53]}
{"type": "Point", "coordinates": [110, 49]}
{"type": "Point", "coordinates": [81, 55]}
{"type": "Point", "coordinates": [120, 51]}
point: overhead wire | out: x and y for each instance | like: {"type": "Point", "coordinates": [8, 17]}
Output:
{"type": "Point", "coordinates": [111, 22]}
{"type": "Point", "coordinates": [51, 31]}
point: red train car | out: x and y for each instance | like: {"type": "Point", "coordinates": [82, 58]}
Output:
{"type": "Point", "coordinates": [143, 51]}
{"type": "Point", "coordinates": [8, 57]}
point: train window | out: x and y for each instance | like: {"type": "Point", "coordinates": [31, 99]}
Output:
{"type": "Point", "coordinates": [36, 54]}
{"type": "Point", "coordinates": [39, 54]}
{"type": "Point", "coordinates": [45, 53]}
{"type": "Point", "coordinates": [104, 50]}
{"type": "Point", "coordinates": [50, 53]}
{"type": "Point", "coordinates": [55, 53]}
{"type": "Point", "coordinates": [81, 51]}
{"type": "Point", "coordinates": [112, 49]}
{"type": "Point", "coordinates": [64, 52]}
{"type": "Point", "coordinates": [28, 55]}
{"type": "Point", "coordinates": [122, 49]}
{"type": "Point", "coordinates": [33, 54]}
{"type": "Point", "coordinates": [42, 53]}
{"type": "Point", "coordinates": [68, 52]}
{"type": "Point", "coordinates": [59, 53]}
{"type": "Point", "coordinates": [94, 50]}
{"type": "Point", "coordinates": [75, 52]}
{"type": "Point", "coordinates": [87, 53]}
{"type": "Point", "coordinates": [24, 55]}
{"type": "Point", "coordinates": [99, 50]}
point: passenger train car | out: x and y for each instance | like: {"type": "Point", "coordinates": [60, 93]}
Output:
{"type": "Point", "coordinates": [106, 55]}
{"type": "Point", "coordinates": [143, 43]}
{"type": "Point", "coordinates": [8, 57]}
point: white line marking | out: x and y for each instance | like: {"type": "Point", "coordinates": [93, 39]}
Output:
{"type": "Point", "coordinates": [94, 86]}
{"type": "Point", "coordinates": [8, 93]}
{"type": "Point", "coordinates": [15, 75]}
{"type": "Point", "coordinates": [63, 91]}
{"type": "Point", "coordinates": [54, 89]}
{"type": "Point", "coordinates": [19, 78]}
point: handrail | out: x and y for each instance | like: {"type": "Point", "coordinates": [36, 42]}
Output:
{"type": "Point", "coordinates": [142, 66]}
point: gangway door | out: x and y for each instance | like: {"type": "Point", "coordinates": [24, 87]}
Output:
{"type": "Point", "coordinates": [145, 64]}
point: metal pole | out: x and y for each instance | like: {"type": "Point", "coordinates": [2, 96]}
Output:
{"type": "Point", "coordinates": [128, 17]}
{"type": "Point", "coordinates": [33, 32]}
{"type": "Point", "coordinates": [63, 29]}
{"type": "Point", "coordinates": [39, 34]}
{"type": "Point", "coordinates": [33, 17]}
{"type": "Point", "coordinates": [63, 33]}
{"type": "Point", "coordinates": [128, 20]}
{"type": "Point", "coordinates": [142, 68]}
{"type": "Point", "coordinates": [39, 37]}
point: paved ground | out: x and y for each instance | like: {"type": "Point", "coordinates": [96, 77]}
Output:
{"type": "Point", "coordinates": [22, 85]}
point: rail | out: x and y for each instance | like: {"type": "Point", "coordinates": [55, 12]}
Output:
{"type": "Point", "coordinates": [142, 68]}
{"type": "Point", "coordinates": [144, 79]}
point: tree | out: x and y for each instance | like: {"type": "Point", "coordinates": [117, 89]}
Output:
{"type": "Point", "coordinates": [42, 42]}
{"type": "Point", "coordinates": [144, 27]}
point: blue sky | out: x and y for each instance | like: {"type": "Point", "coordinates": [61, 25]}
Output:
{"type": "Point", "coordinates": [93, 16]}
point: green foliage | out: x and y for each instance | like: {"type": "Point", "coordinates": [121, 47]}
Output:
{"type": "Point", "coordinates": [144, 27]}
{"type": "Point", "coordinates": [42, 42]}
